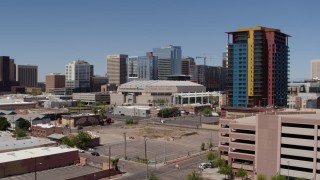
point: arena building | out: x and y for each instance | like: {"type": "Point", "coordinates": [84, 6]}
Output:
{"type": "Point", "coordinates": [148, 92]}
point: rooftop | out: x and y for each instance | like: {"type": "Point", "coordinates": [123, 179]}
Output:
{"type": "Point", "coordinates": [9, 143]}
{"type": "Point", "coordinates": [247, 120]}
{"type": "Point", "coordinates": [33, 153]}
{"type": "Point", "coordinates": [303, 116]}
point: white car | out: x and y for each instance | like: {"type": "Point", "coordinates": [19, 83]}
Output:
{"type": "Point", "coordinates": [81, 150]}
{"type": "Point", "coordinates": [204, 165]}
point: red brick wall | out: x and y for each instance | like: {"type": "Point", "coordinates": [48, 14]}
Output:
{"type": "Point", "coordinates": [43, 163]}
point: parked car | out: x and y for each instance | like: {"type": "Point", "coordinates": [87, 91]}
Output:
{"type": "Point", "coordinates": [95, 154]}
{"type": "Point", "coordinates": [204, 165]}
{"type": "Point", "coordinates": [81, 150]}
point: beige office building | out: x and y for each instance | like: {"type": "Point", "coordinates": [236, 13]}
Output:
{"type": "Point", "coordinates": [27, 75]}
{"type": "Point", "coordinates": [315, 68]}
{"type": "Point", "coordinates": [55, 81]}
{"type": "Point", "coordinates": [117, 68]}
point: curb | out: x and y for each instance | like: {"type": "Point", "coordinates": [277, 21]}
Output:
{"type": "Point", "coordinates": [185, 158]}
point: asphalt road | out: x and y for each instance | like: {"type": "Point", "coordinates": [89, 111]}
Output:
{"type": "Point", "coordinates": [168, 172]}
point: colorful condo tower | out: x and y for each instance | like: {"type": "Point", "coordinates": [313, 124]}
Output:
{"type": "Point", "coordinates": [258, 67]}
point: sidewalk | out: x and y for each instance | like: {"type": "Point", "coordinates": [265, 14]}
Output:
{"type": "Point", "coordinates": [212, 174]}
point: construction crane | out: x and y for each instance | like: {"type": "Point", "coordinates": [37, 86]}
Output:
{"type": "Point", "coordinates": [204, 59]}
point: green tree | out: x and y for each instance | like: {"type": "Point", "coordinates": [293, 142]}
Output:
{"type": "Point", "coordinates": [210, 99]}
{"type": "Point", "coordinates": [202, 147]}
{"type": "Point", "coordinates": [82, 139]}
{"type": "Point", "coordinates": [19, 132]}
{"type": "Point", "coordinates": [241, 173]}
{"type": "Point", "coordinates": [153, 177]}
{"type": "Point", "coordinates": [220, 162]}
{"type": "Point", "coordinates": [226, 170]}
{"type": "Point", "coordinates": [4, 124]}
{"type": "Point", "coordinates": [211, 156]}
{"type": "Point", "coordinates": [207, 111]}
{"type": "Point", "coordinates": [24, 124]}
{"type": "Point", "coordinates": [102, 113]}
{"type": "Point", "coordinates": [194, 176]}
{"type": "Point", "coordinates": [262, 177]}
{"type": "Point", "coordinates": [114, 163]}
{"type": "Point", "coordinates": [68, 141]}
{"type": "Point", "coordinates": [94, 110]}
{"type": "Point", "coordinates": [278, 177]}
{"type": "Point", "coordinates": [80, 105]}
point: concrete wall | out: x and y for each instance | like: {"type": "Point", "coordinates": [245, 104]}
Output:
{"type": "Point", "coordinates": [267, 145]}
{"type": "Point", "coordinates": [117, 99]}
{"type": "Point", "coordinates": [129, 111]}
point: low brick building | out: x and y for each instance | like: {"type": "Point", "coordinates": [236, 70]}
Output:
{"type": "Point", "coordinates": [44, 130]}
{"type": "Point", "coordinates": [84, 119]}
{"type": "Point", "coordinates": [36, 159]}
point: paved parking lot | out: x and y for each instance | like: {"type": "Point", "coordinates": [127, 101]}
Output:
{"type": "Point", "coordinates": [158, 148]}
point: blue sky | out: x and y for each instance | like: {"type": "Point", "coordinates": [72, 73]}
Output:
{"type": "Point", "coordinates": [51, 34]}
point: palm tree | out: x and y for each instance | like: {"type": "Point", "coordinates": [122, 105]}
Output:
{"type": "Point", "coordinates": [115, 162]}
{"type": "Point", "coordinates": [241, 173]}
{"type": "Point", "coordinates": [194, 176]}
{"type": "Point", "coordinates": [153, 177]}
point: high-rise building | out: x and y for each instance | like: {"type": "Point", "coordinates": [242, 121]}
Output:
{"type": "Point", "coordinates": [257, 67]}
{"type": "Point", "coordinates": [213, 78]}
{"type": "Point", "coordinates": [55, 81]}
{"type": "Point", "coordinates": [78, 76]}
{"type": "Point", "coordinates": [186, 62]}
{"type": "Point", "coordinates": [224, 59]}
{"type": "Point", "coordinates": [117, 68]}
{"type": "Point", "coordinates": [27, 75]}
{"type": "Point", "coordinates": [7, 74]}
{"type": "Point", "coordinates": [169, 61]}
{"type": "Point", "coordinates": [315, 69]}
{"type": "Point", "coordinates": [142, 68]}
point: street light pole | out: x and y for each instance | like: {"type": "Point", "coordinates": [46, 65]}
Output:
{"type": "Point", "coordinates": [125, 145]}
{"type": "Point", "coordinates": [165, 157]}
{"type": "Point", "coordinates": [145, 155]}
{"type": "Point", "coordinates": [109, 161]}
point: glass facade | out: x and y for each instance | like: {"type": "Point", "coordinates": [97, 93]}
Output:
{"type": "Point", "coordinates": [169, 61]}
{"type": "Point", "coordinates": [142, 68]}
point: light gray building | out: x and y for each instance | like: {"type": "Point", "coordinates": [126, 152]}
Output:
{"type": "Point", "coordinates": [142, 68]}
{"type": "Point", "coordinates": [78, 76]}
{"type": "Point", "coordinates": [169, 61]}
{"type": "Point", "coordinates": [92, 97]}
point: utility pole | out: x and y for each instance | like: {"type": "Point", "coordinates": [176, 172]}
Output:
{"type": "Point", "coordinates": [145, 155]}
{"type": "Point", "coordinates": [165, 157]}
{"type": "Point", "coordinates": [200, 119]}
{"type": "Point", "coordinates": [109, 161]}
{"type": "Point", "coordinates": [125, 145]}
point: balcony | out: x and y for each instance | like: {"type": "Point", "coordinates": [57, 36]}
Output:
{"type": "Point", "coordinates": [235, 135]}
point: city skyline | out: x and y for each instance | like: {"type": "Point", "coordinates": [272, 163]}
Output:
{"type": "Point", "coordinates": [51, 34]}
